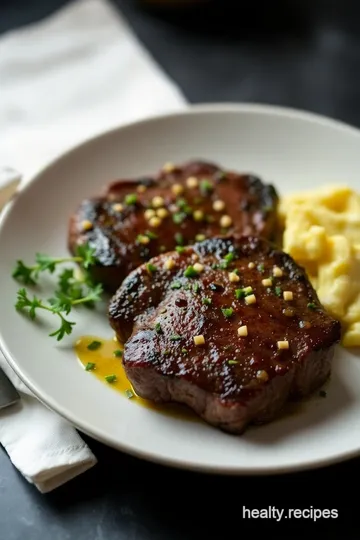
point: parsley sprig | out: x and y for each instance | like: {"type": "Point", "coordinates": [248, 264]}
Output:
{"type": "Point", "coordinates": [71, 290]}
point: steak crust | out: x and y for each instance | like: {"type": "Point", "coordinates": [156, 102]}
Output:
{"type": "Point", "coordinates": [124, 237]}
{"type": "Point", "coordinates": [230, 380]}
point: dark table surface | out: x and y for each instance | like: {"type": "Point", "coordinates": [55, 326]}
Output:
{"type": "Point", "coordinates": [307, 57]}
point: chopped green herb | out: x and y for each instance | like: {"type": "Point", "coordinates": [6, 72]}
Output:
{"type": "Point", "coordinates": [184, 351]}
{"type": "Point", "coordinates": [110, 378]}
{"type": "Point", "coordinates": [227, 312]}
{"type": "Point", "coordinates": [94, 345]}
{"type": "Point", "coordinates": [311, 306]}
{"type": "Point", "coordinates": [206, 300]}
{"type": "Point", "coordinates": [151, 268]}
{"type": "Point", "coordinates": [240, 293]}
{"type": "Point", "coordinates": [229, 257]}
{"type": "Point", "coordinates": [166, 352]}
{"type": "Point", "coordinates": [158, 328]}
{"type": "Point", "coordinates": [232, 362]}
{"type": "Point", "coordinates": [214, 266]}
{"type": "Point", "coordinates": [184, 207]}
{"type": "Point", "coordinates": [179, 217]}
{"type": "Point", "coordinates": [129, 394]}
{"type": "Point", "coordinates": [130, 199]}
{"type": "Point", "coordinates": [278, 291]}
{"type": "Point", "coordinates": [180, 249]}
{"type": "Point", "coordinates": [179, 239]}
{"type": "Point", "coordinates": [205, 187]}
{"type": "Point", "coordinates": [261, 267]}
{"type": "Point", "coordinates": [151, 235]}
{"type": "Point", "coordinates": [175, 285]}
{"type": "Point", "coordinates": [175, 337]}
{"type": "Point", "coordinates": [118, 353]}
{"type": "Point", "coordinates": [196, 288]}
{"type": "Point", "coordinates": [90, 366]}
{"type": "Point", "coordinates": [190, 272]}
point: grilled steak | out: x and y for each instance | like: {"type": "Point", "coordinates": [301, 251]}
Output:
{"type": "Point", "coordinates": [231, 327]}
{"type": "Point", "coordinates": [135, 220]}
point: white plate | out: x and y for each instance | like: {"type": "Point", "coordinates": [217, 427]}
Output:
{"type": "Point", "coordinates": [291, 149]}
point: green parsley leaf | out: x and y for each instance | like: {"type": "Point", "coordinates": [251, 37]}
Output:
{"type": "Point", "coordinates": [180, 249]}
{"type": "Point", "coordinates": [206, 187]}
{"type": "Point", "coordinates": [151, 235]}
{"type": "Point", "coordinates": [227, 312]}
{"type": "Point", "coordinates": [232, 362]}
{"type": "Point", "coordinates": [157, 328]}
{"type": "Point", "coordinates": [312, 306]}
{"type": "Point", "coordinates": [151, 268]}
{"type": "Point", "coordinates": [175, 285]}
{"type": "Point", "coordinates": [196, 288]}
{"type": "Point", "coordinates": [261, 268]}
{"type": "Point", "coordinates": [278, 291]}
{"type": "Point", "coordinates": [94, 345]}
{"type": "Point", "coordinates": [179, 217]}
{"type": "Point", "coordinates": [190, 272]}
{"type": "Point", "coordinates": [90, 366]}
{"type": "Point", "coordinates": [206, 301]}
{"type": "Point", "coordinates": [118, 353]}
{"type": "Point", "coordinates": [184, 351]}
{"type": "Point", "coordinates": [110, 378]}
{"type": "Point", "coordinates": [239, 294]}
{"type": "Point", "coordinates": [175, 337]}
{"type": "Point", "coordinates": [131, 199]}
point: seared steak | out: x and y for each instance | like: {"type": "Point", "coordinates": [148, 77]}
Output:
{"type": "Point", "coordinates": [135, 220]}
{"type": "Point", "coordinates": [231, 327]}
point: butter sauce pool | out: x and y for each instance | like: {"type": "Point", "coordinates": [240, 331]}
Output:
{"type": "Point", "coordinates": [102, 358]}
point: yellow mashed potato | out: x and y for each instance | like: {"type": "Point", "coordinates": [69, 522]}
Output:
{"type": "Point", "coordinates": [322, 233]}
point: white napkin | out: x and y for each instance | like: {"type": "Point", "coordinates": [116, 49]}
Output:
{"type": "Point", "coordinates": [67, 78]}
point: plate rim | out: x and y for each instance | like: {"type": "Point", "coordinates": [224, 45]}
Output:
{"type": "Point", "coordinates": [84, 426]}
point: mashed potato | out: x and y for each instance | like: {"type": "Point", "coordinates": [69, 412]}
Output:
{"type": "Point", "coordinates": [322, 233]}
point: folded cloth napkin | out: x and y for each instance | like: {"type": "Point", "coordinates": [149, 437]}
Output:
{"type": "Point", "coordinates": [69, 77]}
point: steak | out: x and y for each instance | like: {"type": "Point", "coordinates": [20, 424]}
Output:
{"type": "Point", "coordinates": [230, 327]}
{"type": "Point", "coordinates": [135, 220]}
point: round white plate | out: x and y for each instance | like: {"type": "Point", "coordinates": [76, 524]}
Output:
{"type": "Point", "coordinates": [291, 149]}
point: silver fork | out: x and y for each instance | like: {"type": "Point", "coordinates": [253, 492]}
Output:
{"type": "Point", "coordinates": [9, 182]}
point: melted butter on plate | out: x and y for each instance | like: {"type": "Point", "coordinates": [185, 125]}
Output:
{"type": "Point", "coordinates": [103, 360]}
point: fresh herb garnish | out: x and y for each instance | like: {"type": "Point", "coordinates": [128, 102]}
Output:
{"type": "Point", "coordinates": [90, 366]}
{"type": "Point", "coordinates": [240, 293]}
{"type": "Point", "coordinates": [129, 394]}
{"type": "Point", "coordinates": [227, 312]}
{"type": "Point", "coordinates": [94, 345]}
{"type": "Point", "coordinates": [205, 187]}
{"type": "Point", "coordinates": [175, 337]}
{"type": "Point", "coordinates": [151, 235]}
{"type": "Point", "coordinates": [175, 285]}
{"type": "Point", "coordinates": [151, 268]}
{"type": "Point", "coordinates": [180, 249]}
{"type": "Point", "coordinates": [196, 288]}
{"type": "Point", "coordinates": [227, 260]}
{"type": "Point", "coordinates": [190, 272]}
{"type": "Point", "coordinates": [261, 267]}
{"type": "Point", "coordinates": [118, 353]}
{"type": "Point", "coordinates": [206, 300]}
{"type": "Point", "coordinates": [158, 328]}
{"type": "Point", "coordinates": [184, 351]}
{"type": "Point", "coordinates": [278, 291]}
{"type": "Point", "coordinates": [312, 306]}
{"type": "Point", "coordinates": [232, 362]}
{"type": "Point", "coordinates": [131, 199]}
{"type": "Point", "coordinates": [110, 378]}
{"type": "Point", "coordinates": [179, 217]}
{"type": "Point", "coordinates": [71, 290]}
